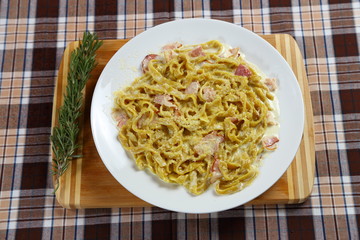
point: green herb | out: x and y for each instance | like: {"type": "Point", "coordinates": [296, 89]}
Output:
{"type": "Point", "coordinates": [64, 136]}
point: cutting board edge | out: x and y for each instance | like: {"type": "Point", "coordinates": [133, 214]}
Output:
{"type": "Point", "coordinates": [254, 202]}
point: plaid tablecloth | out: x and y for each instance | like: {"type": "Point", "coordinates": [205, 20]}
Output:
{"type": "Point", "coordinates": [33, 36]}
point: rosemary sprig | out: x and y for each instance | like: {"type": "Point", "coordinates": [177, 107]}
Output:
{"type": "Point", "coordinates": [64, 136]}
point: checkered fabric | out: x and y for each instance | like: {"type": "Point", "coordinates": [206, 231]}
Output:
{"type": "Point", "coordinates": [33, 36]}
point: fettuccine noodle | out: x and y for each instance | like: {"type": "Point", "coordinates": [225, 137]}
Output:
{"type": "Point", "coordinates": [198, 116]}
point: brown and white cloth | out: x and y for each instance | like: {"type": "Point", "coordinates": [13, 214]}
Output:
{"type": "Point", "coordinates": [33, 36]}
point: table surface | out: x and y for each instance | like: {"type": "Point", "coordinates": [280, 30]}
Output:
{"type": "Point", "coordinates": [33, 36]}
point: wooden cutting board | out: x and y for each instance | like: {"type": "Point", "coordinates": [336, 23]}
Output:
{"type": "Point", "coordinates": [88, 184]}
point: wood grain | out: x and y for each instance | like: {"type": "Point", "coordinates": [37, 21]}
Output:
{"type": "Point", "coordinates": [88, 184]}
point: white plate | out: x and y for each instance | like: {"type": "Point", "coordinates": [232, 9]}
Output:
{"type": "Point", "coordinates": [124, 67]}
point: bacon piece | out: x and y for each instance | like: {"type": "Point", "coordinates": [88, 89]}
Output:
{"type": "Point", "coordinates": [270, 117]}
{"type": "Point", "coordinates": [192, 88]}
{"type": "Point", "coordinates": [209, 94]}
{"type": "Point", "coordinates": [233, 52]}
{"type": "Point", "coordinates": [243, 70]}
{"type": "Point", "coordinates": [145, 62]}
{"type": "Point", "coordinates": [271, 84]}
{"type": "Point", "coordinates": [164, 99]}
{"type": "Point", "coordinates": [209, 144]}
{"type": "Point", "coordinates": [215, 166]}
{"type": "Point", "coordinates": [269, 142]}
{"type": "Point", "coordinates": [216, 174]}
{"type": "Point", "coordinates": [196, 52]}
{"type": "Point", "coordinates": [215, 135]}
{"type": "Point", "coordinates": [120, 117]}
{"type": "Point", "coordinates": [171, 46]}
{"type": "Point", "coordinates": [169, 54]}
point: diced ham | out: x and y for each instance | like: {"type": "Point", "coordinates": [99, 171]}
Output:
{"type": "Point", "coordinates": [196, 52]}
{"type": "Point", "coordinates": [234, 52]}
{"type": "Point", "coordinates": [216, 174]}
{"type": "Point", "coordinates": [269, 142]}
{"type": "Point", "coordinates": [209, 94]}
{"type": "Point", "coordinates": [145, 62]}
{"type": "Point", "coordinates": [164, 99]}
{"type": "Point", "coordinates": [215, 166]}
{"type": "Point", "coordinates": [243, 70]}
{"type": "Point", "coordinates": [120, 117]}
{"type": "Point", "coordinates": [171, 46]}
{"type": "Point", "coordinates": [168, 50]}
{"type": "Point", "coordinates": [203, 148]}
{"type": "Point", "coordinates": [271, 84]}
{"type": "Point", "coordinates": [219, 138]}
{"type": "Point", "coordinates": [209, 144]}
{"type": "Point", "coordinates": [270, 117]}
{"type": "Point", "coordinates": [192, 88]}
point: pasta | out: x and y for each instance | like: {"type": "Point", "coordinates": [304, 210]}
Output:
{"type": "Point", "coordinates": [198, 116]}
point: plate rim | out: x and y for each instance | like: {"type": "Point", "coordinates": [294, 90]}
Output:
{"type": "Point", "coordinates": [164, 25]}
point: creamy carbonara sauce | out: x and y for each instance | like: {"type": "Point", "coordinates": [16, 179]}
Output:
{"type": "Point", "coordinates": [200, 115]}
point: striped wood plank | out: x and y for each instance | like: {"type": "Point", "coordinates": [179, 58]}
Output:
{"type": "Point", "coordinates": [88, 184]}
